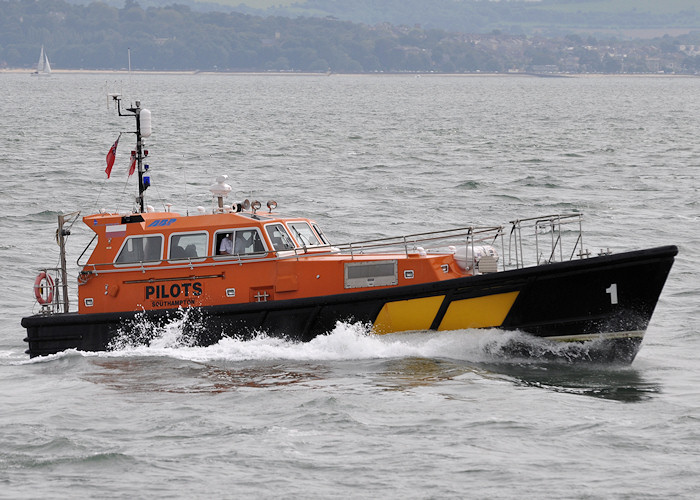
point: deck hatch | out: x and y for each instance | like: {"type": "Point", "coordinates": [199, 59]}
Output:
{"type": "Point", "coordinates": [368, 274]}
{"type": "Point", "coordinates": [127, 219]}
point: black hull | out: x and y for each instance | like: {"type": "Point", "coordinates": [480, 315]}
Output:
{"type": "Point", "coordinates": [569, 301]}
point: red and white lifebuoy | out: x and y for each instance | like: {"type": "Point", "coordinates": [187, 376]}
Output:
{"type": "Point", "coordinates": [43, 288]}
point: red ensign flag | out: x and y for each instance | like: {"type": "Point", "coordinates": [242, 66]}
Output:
{"type": "Point", "coordinates": [110, 157]}
{"type": "Point", "coordinates": [132, 165]}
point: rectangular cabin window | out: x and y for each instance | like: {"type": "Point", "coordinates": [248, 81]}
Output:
{"type": "Point", "coordinates": [303, 234]}
{"type": "Point", "coordinates": [137, 249]}
{"type": "Point", "coordinates": [188, 246]}
{"type": "Point", "coordinates": [279, 237]}
{"type": "Point", "coordinates": [240, 243]}
{"type": "Point", "coordinates": [368, 274]}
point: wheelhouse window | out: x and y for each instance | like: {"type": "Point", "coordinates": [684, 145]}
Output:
{"type": "Point", "coordinates": [188, 246]}
{"type": "Point", "coordinates": [279, 237]}
{"type": "Point", "coordinates": [240, 242]}
{"type": "Point", "coordinates": [138, 249]}
{"type": "Point", "coordinates": [303, 234]}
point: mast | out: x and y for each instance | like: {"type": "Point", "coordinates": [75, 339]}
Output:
{"type": "Point", "coordinates": [139, 152]}
{"type": "Point", "coordinates": [62, 233]}
{"type": "Point", "coordinates": [143, 129]}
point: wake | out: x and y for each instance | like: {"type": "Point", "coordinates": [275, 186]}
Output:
{"type": "Point", "coordinates": [347, 341]}
{"type": "Point", "coordinates": [177, 339]}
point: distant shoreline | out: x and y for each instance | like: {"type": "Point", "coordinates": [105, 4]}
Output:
{"type": "Point", "coordinates": [294, 73]}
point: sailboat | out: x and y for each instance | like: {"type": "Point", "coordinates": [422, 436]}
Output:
{"type": "Point", "coordinates": [43, 68]}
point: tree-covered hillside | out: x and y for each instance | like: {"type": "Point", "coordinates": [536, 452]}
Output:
{"type": "Point", "coordinates": [97, 36]}
{"type": "Point", "coordinates": [549, 17]}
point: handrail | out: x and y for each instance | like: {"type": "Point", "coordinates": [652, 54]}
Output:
{"type": "Point", "coordinates": [57, 292]}
{"type": "Point", "coordinates": [85, 250]}
{"type": "Point", "coordinates": [553, 224]}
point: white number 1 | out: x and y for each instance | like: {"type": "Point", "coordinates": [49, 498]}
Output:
{"type": "Point", "coordinates": [612, 290]}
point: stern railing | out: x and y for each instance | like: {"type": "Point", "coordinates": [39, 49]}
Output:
{"type": "Point", "coordinates": [53, 289]}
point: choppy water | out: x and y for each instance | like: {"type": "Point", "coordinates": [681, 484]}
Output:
{"type": "Point", "coordinates": [351, 415]}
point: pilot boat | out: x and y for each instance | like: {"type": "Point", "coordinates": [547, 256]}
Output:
{"type": "Point", "coordinates": [239, 270]}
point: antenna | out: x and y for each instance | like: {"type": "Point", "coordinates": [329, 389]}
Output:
{"type": "Point", "coordinates": [143, 130]}
{"type": "Point", "coordinates": [187, 199]}
{"type": "Point", "coordinates": [128, 51]}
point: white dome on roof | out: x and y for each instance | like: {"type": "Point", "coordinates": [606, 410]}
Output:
{"type": "Point", "coordinates": [220, 188]}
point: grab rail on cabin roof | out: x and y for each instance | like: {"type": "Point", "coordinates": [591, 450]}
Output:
{"type": "Point", "coordinates": [470, 233]}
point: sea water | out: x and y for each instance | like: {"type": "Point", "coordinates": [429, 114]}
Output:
{"type": "Point", "coordinates": [350, 414]}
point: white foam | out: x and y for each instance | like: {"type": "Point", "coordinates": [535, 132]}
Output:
{"type": "Point", "coordinates": [345, 342]}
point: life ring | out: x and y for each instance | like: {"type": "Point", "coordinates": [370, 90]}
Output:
{"type": "Point", "coordinates": [43, 291]}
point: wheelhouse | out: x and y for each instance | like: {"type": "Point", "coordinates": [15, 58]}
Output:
{"type": "Point", "coordinates": [186, 238]}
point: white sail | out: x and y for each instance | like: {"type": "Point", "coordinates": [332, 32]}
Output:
{"type": "Point", "coordinates": [43, 68]}
{"type": "Point", "coordinates": [40, 64]}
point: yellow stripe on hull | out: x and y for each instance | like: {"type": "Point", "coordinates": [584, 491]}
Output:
{"type": "Point", "coordinates": [405, 315]}
{"type": "Point", "coordinates": [479, 312]}
{"type": "Point", "coordinates": [419, 314]}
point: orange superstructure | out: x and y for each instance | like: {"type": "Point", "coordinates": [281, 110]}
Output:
{"type": "Point", "coordinates": [165, 260]}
